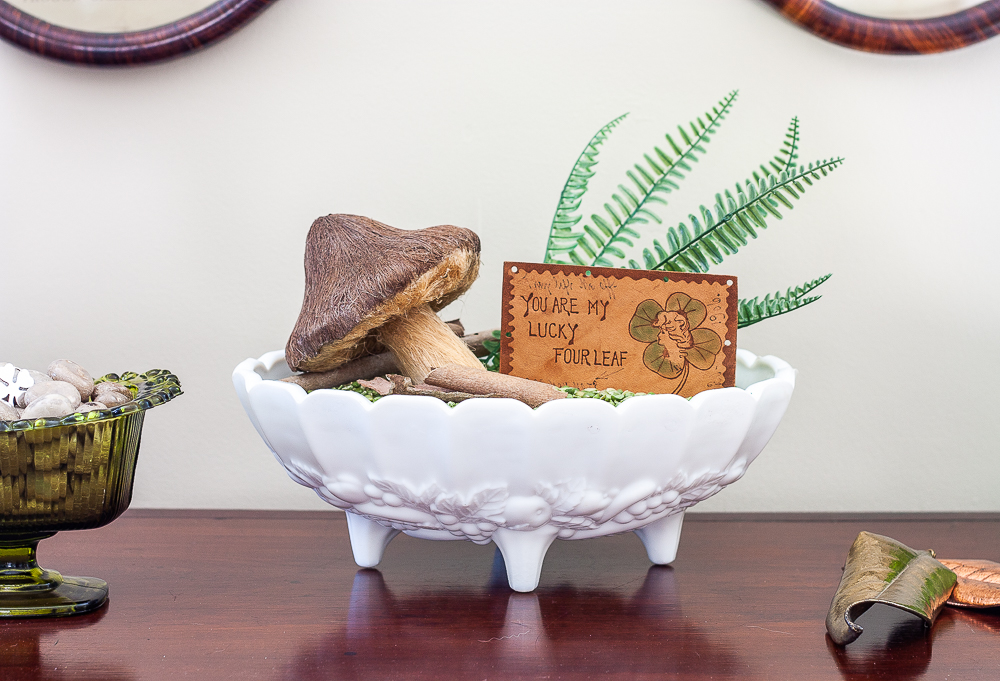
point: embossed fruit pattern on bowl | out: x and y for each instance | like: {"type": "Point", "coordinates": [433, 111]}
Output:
{"type": "Point", "coordinates": [497, 470]}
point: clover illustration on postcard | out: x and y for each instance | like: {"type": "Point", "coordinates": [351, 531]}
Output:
{"type": "Point", "coordinates": [600, 327]}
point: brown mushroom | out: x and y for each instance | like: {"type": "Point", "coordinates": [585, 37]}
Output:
{"type": "Point", "coordinates": [368, 284]}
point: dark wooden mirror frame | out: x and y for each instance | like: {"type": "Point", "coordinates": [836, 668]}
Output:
{"type": "Point", "coordinates": [893, 36]}
{"type": "Point", "coordinates": [190, 33]}
{"type": "Point", "coordinates": [194, 32]}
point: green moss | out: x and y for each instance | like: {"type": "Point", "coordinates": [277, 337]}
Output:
{"type": "Point", "coordinates": [612, 395]}
{"type": "Point", "coordinates": [356, 387]}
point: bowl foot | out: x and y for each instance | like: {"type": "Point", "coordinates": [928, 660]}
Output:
{"type": "Point", "coordinates": [74, 596]}
{"type": "Point", "coordinates": [368, 539]}
{"type": "Point", "coordinates": [26, 590]}
{"type": "Point", "coordinates": [523, 553]}
{"type": "Point", "coordinates": [662, 537]}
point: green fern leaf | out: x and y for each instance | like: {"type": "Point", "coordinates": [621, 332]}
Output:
{"type": "Point", "coordinates": [566, 217]}
{"type": "Point", "coordinates": [790, 152]}
{"type": "Point", "coordinates": [586, 248]}
{"type": "Point", "coordinates": [661, 252]}
{"type": "Point", "coordinates": [715, 232]}
{"type": "Point", "coordinates": [786, 157]}
{"type": "Point", "coordinates": [760, 200]}
{"type": "Point", "coordinates": [659, 177]}
{"type": "Point", "coordinates": [755, 310]}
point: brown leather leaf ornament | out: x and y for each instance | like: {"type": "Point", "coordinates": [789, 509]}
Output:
{"type": "Point", "coordinates": [881, 570]}
{"type": "Point", "coordinates": [978, 583]}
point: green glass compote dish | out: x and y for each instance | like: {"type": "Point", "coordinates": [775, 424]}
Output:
{"type": "Point", "coordinates": [69, 473]}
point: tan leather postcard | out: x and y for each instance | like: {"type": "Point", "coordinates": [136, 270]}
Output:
{"type": "Point", "coordinates": [600, 327]}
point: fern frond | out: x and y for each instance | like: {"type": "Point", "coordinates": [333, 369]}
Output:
{"type": "Point", "coordinates": [786, 156]}
{"type": "Point", "coordinates": [632, 205]}
{"type": "Point", "coordinates": [789, 152]}
{"type": "Point", "coordinates": [755, 310]}
{"type": "Point", "coordinates": [737, 218]}
{"type": "Point", "coordinates": [561, 235]}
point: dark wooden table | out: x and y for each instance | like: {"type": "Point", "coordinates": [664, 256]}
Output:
{"type": "Point", "coordinates": [276, 595]}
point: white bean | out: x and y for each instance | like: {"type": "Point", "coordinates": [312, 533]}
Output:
{"type": "Point", "coordinates": [8, 412]}
{"type": "Point", "coordinates": [39, 390]}
{"type": "Point", "coordinates": [74, 374]}
{"type": "Point", "coordinates": [48, 406]}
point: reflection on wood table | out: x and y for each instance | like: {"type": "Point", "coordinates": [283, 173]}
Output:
{"type": "Point", "coordinates": [276, 595]}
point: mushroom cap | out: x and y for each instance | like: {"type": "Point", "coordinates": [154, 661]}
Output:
{"type": "Point", "coordinates": [361, 273]}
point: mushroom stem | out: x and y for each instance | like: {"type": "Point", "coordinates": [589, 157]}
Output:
{"type": "Point", "coordinates": [421, 342]}
{"type": "Point", "coordinates": [371, 366]}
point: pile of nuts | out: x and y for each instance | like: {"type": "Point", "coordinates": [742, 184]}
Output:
{"type": "Point", "coordinates": [63, 389]}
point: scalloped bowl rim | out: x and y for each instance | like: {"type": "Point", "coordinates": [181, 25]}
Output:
{"type": "Point", "coordinates": [755, 377]}
{"type": "Point", "coordinates": [752, 368]}
{"type": "Point", "coordinates": [164, 386]}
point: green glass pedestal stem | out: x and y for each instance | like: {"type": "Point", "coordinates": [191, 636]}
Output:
{"type": "Point", "coordinates": [26, 590]}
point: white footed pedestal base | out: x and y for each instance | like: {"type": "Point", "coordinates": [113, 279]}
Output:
{"type": "Point", "coordinates": [523, 550]}
{"type": "Point", "coordinates": [662, 537]}
{"type": "Point", "coordinates": [523, 554]}
{"type": "Point", "coordinates": [368, 539]}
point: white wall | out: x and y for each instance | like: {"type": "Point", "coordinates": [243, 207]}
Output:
{"type": "Point", "coordinates": [901, 9]}
{"type": "Point", "coordinates": [155, 216]}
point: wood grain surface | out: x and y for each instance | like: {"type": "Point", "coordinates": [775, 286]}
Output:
{"type": "Point", "coordinates": [191, 33]}
{"type": "Point", "coordinates": [893, 36]}
{"type": "Point", "coordinates": [255, 595]}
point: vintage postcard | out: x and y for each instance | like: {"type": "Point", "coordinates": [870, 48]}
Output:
{"type": "Point", "coordinates": [599, 327]}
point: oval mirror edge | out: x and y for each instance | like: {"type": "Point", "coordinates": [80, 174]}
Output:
{"type": "Point", "coordinates": [893, 36]}
{"type": "Point", "coordinates": [188, 34]}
